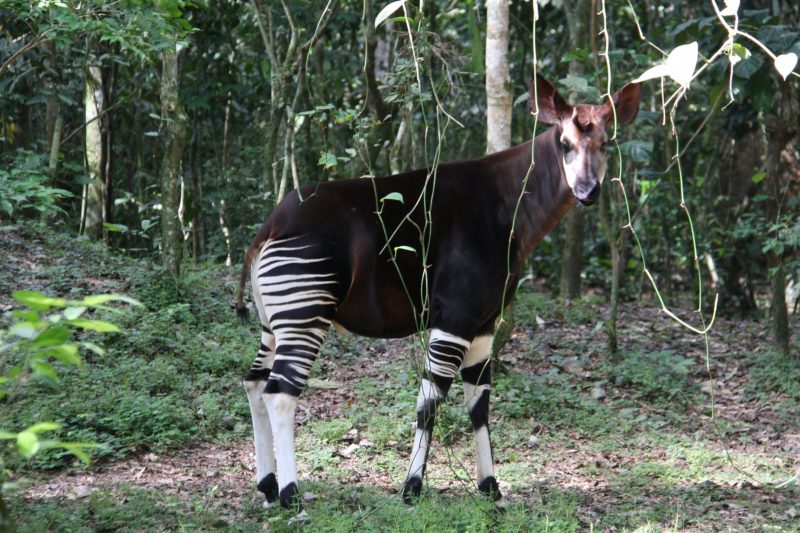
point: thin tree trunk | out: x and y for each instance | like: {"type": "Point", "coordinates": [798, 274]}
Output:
{"type": "Point", "coordinates": [574, 221]}
{"type": "Point", "coordinates": [94, 192]}
{"type": "Point", "coordinates": [109, 74]}
{"type": "Point", "coordinates": [778, 134]}
{"type": "Point", "coordinates": [498, 96]}
{"type": "Point", "coordinates": [572, 257]}
{"type": "Point", "coordinates": [174, 138]}
{"type": "Point", "coordinates": [498, 121]}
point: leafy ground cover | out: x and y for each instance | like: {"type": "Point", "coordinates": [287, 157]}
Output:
{"type": "Point", "coordinates": [581, 442]}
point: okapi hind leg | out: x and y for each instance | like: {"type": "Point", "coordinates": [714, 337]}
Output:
{"type": "Point", "coordinates": [476, 373]}
{"type": "Point", "coordinates": [254, 383]}
{"type": "Point", "coordinates": [445, 354]}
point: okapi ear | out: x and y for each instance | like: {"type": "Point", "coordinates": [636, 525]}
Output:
{"type": "Point", "coordinates": [552, 107]}
{"type": "Point", "coordinates": [626, 102]}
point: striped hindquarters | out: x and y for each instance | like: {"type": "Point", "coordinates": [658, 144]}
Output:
{"type": "Point", "coordinates": [297, 282]}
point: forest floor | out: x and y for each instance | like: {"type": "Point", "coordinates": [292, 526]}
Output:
{"type": "Point", "coordinates": [581, 442]}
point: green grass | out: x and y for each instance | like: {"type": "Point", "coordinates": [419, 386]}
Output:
{"type": "Point", "coordinates": [171, 377]}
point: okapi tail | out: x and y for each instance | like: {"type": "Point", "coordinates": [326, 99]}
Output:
{"type": "Point", "coordinates": [241, 308]}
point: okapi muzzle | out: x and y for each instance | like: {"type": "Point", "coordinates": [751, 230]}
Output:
{"type": "Point", "coordinates": [322, 258]}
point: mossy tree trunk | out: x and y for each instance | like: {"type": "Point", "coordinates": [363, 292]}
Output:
{"type": "Point", "coordinates": [174, 138]}
{"type": "Point", "coordinates": [94, 197]}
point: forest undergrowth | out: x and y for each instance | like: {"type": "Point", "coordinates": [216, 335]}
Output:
{"type": "Point", "coordinates": [581, 442]}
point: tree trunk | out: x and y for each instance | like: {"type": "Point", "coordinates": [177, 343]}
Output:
{"type": "Point", "coordinates": [572, 257]}
{"type": "Point", "coordinates": [498, 119]}
{"type": "Point", "coordinates": [498, 96]}
{"type": "Point", "coordinates": [778, 134]}
{"type": "Point", "coordinates": [174, 138]}
{"type": "Point", "coordinates": [94, 199]}
{"type": "Point", "coordinates": [574, 221]}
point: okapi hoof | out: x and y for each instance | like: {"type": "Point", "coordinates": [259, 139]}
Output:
{"type": "Point", "coordinates": [412, 490]}
{"type": "Point", "coordinates": [300, 519]}
{"type": "Point", "coordinates": [490, 488]}
{"type": "Point", "coordinates": [268, 486]}
{"type": "Point", "coordinates": [290, 498]}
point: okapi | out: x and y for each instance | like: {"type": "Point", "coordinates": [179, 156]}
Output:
{"type": "Point", "coordinates": [322, 257]}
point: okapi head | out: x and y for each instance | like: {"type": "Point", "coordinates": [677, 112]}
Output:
{"type": "Point", "coordinates": [581, 133]}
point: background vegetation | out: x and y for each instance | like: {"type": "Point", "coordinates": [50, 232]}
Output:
{"type": "Point", "coordinates": [166, 132]}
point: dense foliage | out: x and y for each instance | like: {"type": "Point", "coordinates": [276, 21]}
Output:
{"type": "Point", "coordinates": [357, 108]}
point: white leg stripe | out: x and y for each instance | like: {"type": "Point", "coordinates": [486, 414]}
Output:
{"type": "Point", "coordinates": [473, 393]}
{"type": "Point", "coordinates": [484, 453]}
{"type": "Point", "coordinates": [281, 408]}
{"type": "Point", "coordinates": [262, 432]}
{"type": "Point", "coordinates": [437, 334]}
{"type": "Point", "coordinates": [478, 351]}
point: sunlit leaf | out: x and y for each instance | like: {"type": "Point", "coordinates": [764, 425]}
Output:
{"type": "Point", "coordinates": [387, 11]}
{"type": "Point", "coordinates": [43, 426]}
{"type": "Point", "coordinates": [27, 443]}
{"type": "Point", "coordinates": [679, 66]}
{"type": "Point", "coordinates": [44, 369]}
{"type": "Point", "coordinates": [71, 313]}
{"type": "Point", "coordinates": [738, 53]}
{"type": "Point", "coordinates": [23, 330]}
{"type": "Point", "coordinates": [37, 300]}
{"type": "Point", "coordinates": [404, 247]}
{"type": "Point", "coordinates": [66, 353]}
{"type": "Point", "coordinates": [120, 228]}
{"type": "Point", "coordinates": [731, 7]}
{"type": "Point", "coordinates": [327, 160]}
{"type": "Point", "coordinates": [785, 64]}
{"type": "Point", "coordinates": [100, 299]}
{"type": "Point", "coordinates": [95, 325]}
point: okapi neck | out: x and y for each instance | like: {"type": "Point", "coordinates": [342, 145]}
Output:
{"type": "Point", "coordinates": [546, 198]}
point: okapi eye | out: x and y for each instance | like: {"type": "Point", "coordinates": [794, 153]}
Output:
{"type": "Point", "coordinates": [566, 147]}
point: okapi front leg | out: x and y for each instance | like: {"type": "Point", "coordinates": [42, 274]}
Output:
{"type": "Point", "coordinates": [477, 376]}
{"type": "Point", "coordinates": [445, 354]}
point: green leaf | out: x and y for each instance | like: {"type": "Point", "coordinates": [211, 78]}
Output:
{"type": "Point", "coordinates": [27, 444]}
{"type": "Point", "coordinates": [120, 228]}
{"type": "Point", "coordinates": [44, 369]}
{"type": "Point", "coordinates": [100, 299]}
{"type": "Point", "coordinates": [327, 159]}
{"type": "Point", "coordinates": [66, 353]}
{"type": "Point", "coordinates": [76, 448]}
{"type": "Point", "coordinates": [71, 313]}
{"type": "Point", "coordinates": [24, 330]}
{"type": "Point", "coordinates": [92, 347]}
{"type": "Point", "coordinates": [759, 176]}
{"type": "Point", "coordinates": [52, 336]}
{"type": "Point", "coordinates": [394, 197]}
{"type": "Point", "coordinates": [37, 300]}
{"type": "Point", "coordinates": [95, 325]}
{"type": "Point", "coordinates": [43, 426]}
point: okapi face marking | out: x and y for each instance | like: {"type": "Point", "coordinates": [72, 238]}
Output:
{"type": "Point", "coordinates": [324, 260]}
{"type": "Point", "coordinates": [582, 133]}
